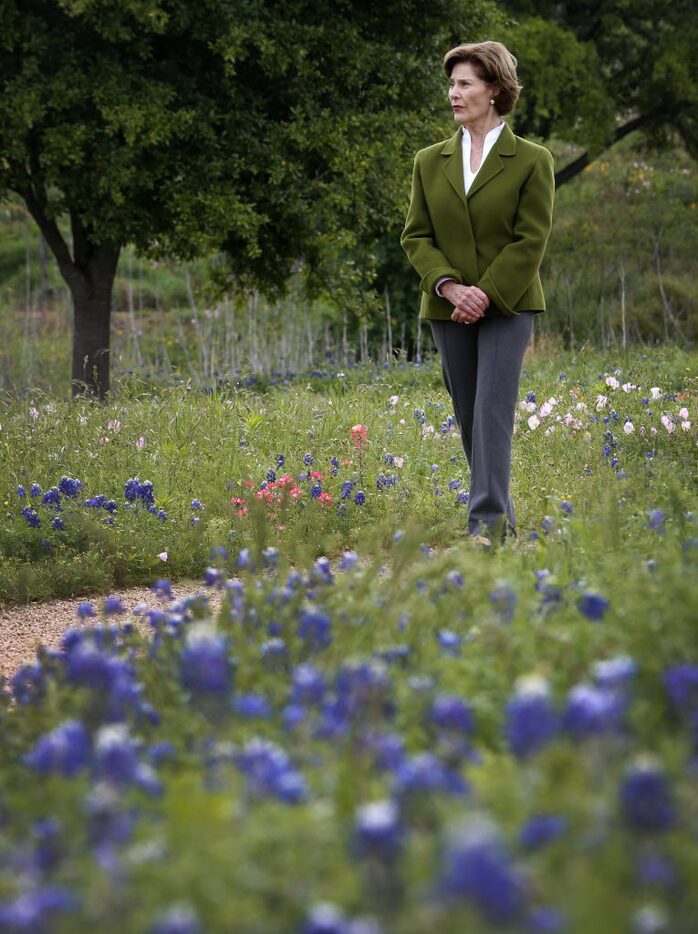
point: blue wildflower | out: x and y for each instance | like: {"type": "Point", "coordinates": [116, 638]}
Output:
{"type": "Point", "coordinates": [360, 498]}
{"type": "Point", "coordinates": [449, 712]}
{"type": "Point", "coordinates": [35, 490]}
{"type": "Point", "coordinates": [252, 706]}
{"type": "Point", "coordinates": [86, 610]}
{"type": "Point", "coordinates": [541, 829]}
{"type": "Point", "coordinates": [378, 832]}
{"type": "Point", "coordinates": [315, 629]}
{"type": "Point", "coordinates": [308, 460]}
{"type": "Point", "coordinates": [32, 517]}
{"type": "Point", "coordinates": [113, 606]}
{"type": "Point", "coordinates": [681, 686]}
{"type": "Point", "coordinates": [325, 919]}
{"type": "Point", "coordinates": [308, 684]}
{"type": "Point", "coordinates": [269, 772]}
{"type": "Point", "coordinates": [32, 911]}
{"type": "Point", "coordinates": [645, 797]}
{"type": "Point", "coordinates": [592, 605]}
{"type": "Point", "coordinates": [566, 507]}
{"type": "Point", "coordinates": [280, 460]}
{"type": "Point", "coordinates": [655, 520]}
{"type": "Point", "coordinates": [462, 497]}
{"type": "Point", "coordinates": [69, 487]}
{"type": "Point", "coordinates": [163, 588]}
{"type": "Point", "coordinates": [424, 772]}
{"type": "Point", "coordinates": [21, 492]}
{"type": "Point", "coordinates": [315, 490]}
{"type": "Point", "coordinates": [65, 750]}
{"type": "Point", "coordinates": [546, 920]}
{"type": "Point", "coordinates": [476, 867]}
{"type": "Point", "coordinates": [531, 721]}
{"type": "Point", "coordinates": [592, 711]}
{"type": "Point", "coordinates": [449, 641]}
{"type": "Point", "coordinates": [196, 505]}
{"type": "Point", "coordinates": [28, 683]}
{"type": "Point", "coordinates": [615, 672]}
{"type": "Point", "coordinates": [205, 664]}
{"type": "Point", "coordinates": [530, 396]}
{"type": "Point", "coordinates": [348, 560]}
{"type": "Point", "coordinates": [345, 489]}
{"type": "Point", "coordinates": [503, 599]}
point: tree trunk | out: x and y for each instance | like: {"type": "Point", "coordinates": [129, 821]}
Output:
{"type": "Point", "coordinates": [89, 274]}
{"type": "Point", "coordinates": [91, 333]}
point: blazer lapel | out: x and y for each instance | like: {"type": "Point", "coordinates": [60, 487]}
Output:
{"type": "Point", "coordinates": [493, 165]}
{"type": "Point", "coordinates": [453, 164]}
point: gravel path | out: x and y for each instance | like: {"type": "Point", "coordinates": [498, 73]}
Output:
{"type": "Point", "coordinates": [24, 628]}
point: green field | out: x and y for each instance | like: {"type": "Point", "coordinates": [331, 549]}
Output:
{"type": "Point", "coordinates": [523, 720]}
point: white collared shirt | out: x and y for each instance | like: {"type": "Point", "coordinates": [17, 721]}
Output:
{"type": "Point", "coordinates": [490, 139]}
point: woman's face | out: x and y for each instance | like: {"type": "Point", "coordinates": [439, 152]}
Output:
{"type": "Point", "coordinates": [468, 95]}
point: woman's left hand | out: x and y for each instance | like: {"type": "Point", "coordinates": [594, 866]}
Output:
{"type": "Point", "coordinates": [470, 305]}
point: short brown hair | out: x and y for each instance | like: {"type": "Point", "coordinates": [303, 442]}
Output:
{"type": "Point", "coordinates": [495, 64]}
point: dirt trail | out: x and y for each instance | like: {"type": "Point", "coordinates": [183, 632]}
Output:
{"type": "Point", "coordinates": [24, 628]}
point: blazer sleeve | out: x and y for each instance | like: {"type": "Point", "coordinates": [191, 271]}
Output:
{"type": "Point", "coordinates": [511, 272]}
{"type": "Point", "coordinates": [418, 240]}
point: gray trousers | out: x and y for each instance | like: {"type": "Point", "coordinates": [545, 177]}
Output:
{"type": "Point", "coordinates": [481, 366]}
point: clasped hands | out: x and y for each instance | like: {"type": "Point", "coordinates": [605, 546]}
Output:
{"type": "Point", "coordinates": [470, 302]}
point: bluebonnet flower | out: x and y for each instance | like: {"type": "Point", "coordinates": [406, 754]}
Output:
{"type": "Point", "coordinates": [113, 606]}
{"type": "Point", "coordinates": [32, 517]}
{"type": "Point", "coordinates": [449, 641]}
{"type": "Point", "coordinates": [455, 484]}
{"type": "Point", "coordinates": [566, 507]}
{"type": "Point", "coordinates": [163, 588]}
{"type": "Point", "coordinates": [334, 466]}
{"type": "Point", "coordinates": [655, 520]}
{"type": "Point", "coordinates": [269, 772]}
{"type": "Point", "coordinates": [308, 684]}
{"type": "Point", "coordinates": [420, 415]}
{"type": "Point", "coordinates": [378, 831]}
{"type": "Point", "coordinates": [315, 629]}
{"type": "Point", "coordinates": [196, 505]}
{"type": "Point", "coordinates": [244, 560]}
{"type": "Point", "coordinates": [270, 556]}
{"type": "Point", "coordinates": [592, 605]}
{"type": "Point", "coordinates": [280, 460]}
{"type": "Point", "coordinates": [86, 610]}
{"type": "Point", "coordinates": [21, 492]}
{"type": "Point", "coordinates": [28, 683]}
{"type": "Point", "coordinates": [325, 919]}
{"type": "Point", "coordinates": [308, 460]}
{"type": "Point", "coordinates": [348, 560]}
{"type": "Point", "coordinates": [389, 459]}
{"type": "Point", "coordinates": [345, 489]}
{"type": "Point", "coordinates": [205, 664]}
{"type": "Point", "coordinates": [476, 867]}
{"type": "Point", "coordinates": [35, 490]}
{"type": "Point", "coordinates": [177, 919]}
{"type": "Point", "coordinates": [31, 910]}
{"type": "Point", "coordinates": [530, 396]}
{"type": "Point", "coordinates": [541, 829]}
{"type": "Point", "coordinates": [656, 870]}
{"type": "Point", "coordinates": [360, 498]}
{"type": "Point", "coordinates": [162, 515]}
{"type": "Point", "coordinates": [615, 672]}
{"type": "Point", "coordinates": [592, 711]}
{"type": "Point", "coordinates": [252, 706]}
{"type": "Point", "coordinates": [383, 481]}
{"type": "Point", "coordinates": [448, 712]}
{"type": "Point", "coordinates": [462, 496]}
{"type": "Point", "coordinates": [531, 721]}
{"type": "Point", "coordinates": [606, 451]}
{"type": "Point", "coordinates": [547, 524]}
{"type": "Point", "coordinates": [214, 577]}
{"type": "Point", "coordinates": [645, 798]}
{"type": "Point", "coordinates": [315, 490]}
{"type": "Point", "coordinates": [681, 686]}
{"type": "Point", "coordinates": [388, 749]}
{"type": "Point", "coordinates": [65, 750]}
{"type": "Point", "coordinates": [96, 502]}
{"type": "Point", "coordinates": [69, 487]}
{"type": "Point", "coordinates": [219, 553]}
{"type": "Point", "coordinates": [425, 772]}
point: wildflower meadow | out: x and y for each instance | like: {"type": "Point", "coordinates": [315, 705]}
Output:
{"type": "Point", "coordinates": [386, 727]}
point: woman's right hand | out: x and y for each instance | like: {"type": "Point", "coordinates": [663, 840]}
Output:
{"type": "Point", "coordinates": [470, 302]}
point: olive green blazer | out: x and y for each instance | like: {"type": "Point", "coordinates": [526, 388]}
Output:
{"type": "Point", "coordinates": [493, 237]}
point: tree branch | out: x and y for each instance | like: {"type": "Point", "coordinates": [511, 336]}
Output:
{"type": "Point", "coordinates": [581, 162]}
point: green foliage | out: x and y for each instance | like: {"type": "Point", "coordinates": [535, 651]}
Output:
{"type": "Point", "coordinates": [640, 68]}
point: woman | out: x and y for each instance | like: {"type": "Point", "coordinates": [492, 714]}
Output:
{"type": "Point", "coordinates": [476, 230]}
